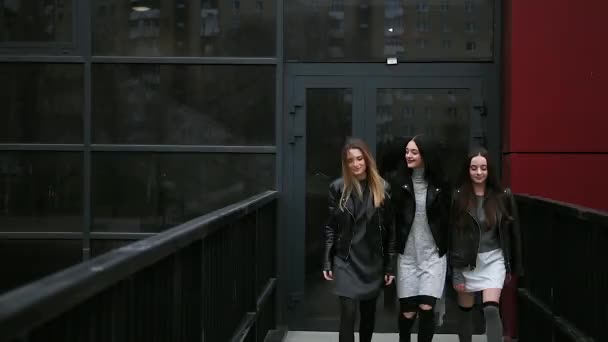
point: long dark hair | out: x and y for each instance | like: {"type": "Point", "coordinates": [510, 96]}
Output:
{"type": "Point", "coordinates": [429, 152]}
{"type": "Point", "coordinates": [493, 198]}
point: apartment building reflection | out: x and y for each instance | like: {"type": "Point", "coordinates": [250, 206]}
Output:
{"type": "Point", "coordinates": [184, 28]}
{"type": "Point", "coordinates": [405, 29]}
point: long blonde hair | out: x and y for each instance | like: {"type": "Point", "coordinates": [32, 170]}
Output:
{"type": "Point", "coordinates": [376, 183]}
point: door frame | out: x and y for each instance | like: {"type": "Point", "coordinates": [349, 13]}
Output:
{"type": "Point", "coordinates": [474, 83]}
{"type": "Point", "coordinates": [294, 184]}
{"type": "Point", "coordinates": [362, 78]}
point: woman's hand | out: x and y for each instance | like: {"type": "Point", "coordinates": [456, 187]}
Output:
{"type": "Point", "coordinates": [459, 288]}
{"type": "Point", "coordinates": [388, 279]}
{"type": "Point", "coordinates": [328, 275]}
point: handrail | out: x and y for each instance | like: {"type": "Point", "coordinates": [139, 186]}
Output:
{"type": "Point", "coordinates": [584, 213]}
{"type": "Point", "coordinates": [42, 300]}
{"type": "Point", "coordinates": [563, 248]}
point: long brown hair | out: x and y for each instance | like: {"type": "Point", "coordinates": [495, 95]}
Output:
{"type": "Point", "coordinates": [376, 183]}
{"type": "Point", "coordinates": [493, 198]}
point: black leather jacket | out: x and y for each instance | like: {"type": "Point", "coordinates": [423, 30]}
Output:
{"type": "Point", "coordinates": [464, 243]}
{"type": "Point", "coordinates": [339, 228]}
{"type": "Point", "coordinates": [437, 212]}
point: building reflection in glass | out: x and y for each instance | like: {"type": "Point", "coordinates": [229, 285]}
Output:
{"type": "Point", "coordinates": [184, 28]}
{"type": "Point", "coordinates": [35, 21]}
{"type": "Point", "coordinates": [372, 30]}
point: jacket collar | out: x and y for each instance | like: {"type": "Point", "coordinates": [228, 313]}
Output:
{"type": "Point", "coordinates": [431, 192]}
{"type": "Point", "coordinates": [368, 212]}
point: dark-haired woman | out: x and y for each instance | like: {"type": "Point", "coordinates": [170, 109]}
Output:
{"type": "Point", "coordinates": [485, 243]}
{"type": "Point", "coordinates": [421, 206]}
{"type": "Point", "coordinates": [359, 240]}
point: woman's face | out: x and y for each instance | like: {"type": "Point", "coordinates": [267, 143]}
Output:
{"type": "Point", "coordinates": [478, 170]}
{"type": "Point", "coordinates": [356, 163]}
{"type": "Point", "coordinates": [413, 156]}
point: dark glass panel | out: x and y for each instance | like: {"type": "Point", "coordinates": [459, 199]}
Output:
{"type": "Point", "coordinates": [442, 114]}
{"type": "Point", "coordinates": [99, 247]}
{"type": "Point", "coordinates": [24, 261]}
{"type": "Point", "coordinates": [36, 21]}
{"type": "Point", "coordinates": [365, 30]}
{"type": "Point", "coordinates": [150, 192]}
{"type": "Point", "coordinates": [42, 103]}
{"type": "Point", "coordinates": [183, 104]}
{"type": "Point", "coordinates": [40, 191]}
{"type": "Point", "coordinates": [184, 28]}
{"type": "Point", "coordinates": [325, 135]}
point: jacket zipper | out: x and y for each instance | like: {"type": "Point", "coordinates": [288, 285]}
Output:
{"type": "Point", "coordinates": [352, 234]}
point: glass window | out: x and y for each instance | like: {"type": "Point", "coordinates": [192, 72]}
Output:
{"type": "Point", "coordinates": [35, 21]}
{"type": "Point", "coordinates": [40, 191]}
{"type": "Point", "coordinates": [42, 103]}
{"type": "Point", "coordinates": [24, 261]}
{"type": "Point", "coordinates": [443, 114]}
{"type": "Point", "coordinates": [99, 247]}
{"type": "Point", "coordinates": [184, 28]}
{"type": "Point", "coordinates": [342, 31]}
{"type": "Point", "coordinates": [150, 192]}
{"type": "Point", "coordinates": [183, 104]}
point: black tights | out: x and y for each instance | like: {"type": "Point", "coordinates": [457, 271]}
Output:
{"type": "Point", "coordinates": [348, 315]}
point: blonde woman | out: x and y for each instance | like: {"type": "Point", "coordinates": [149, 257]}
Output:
{"type": "Point", "coordinates": [359, 240]}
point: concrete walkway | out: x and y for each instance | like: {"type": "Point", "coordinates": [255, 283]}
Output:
{"type": "Point", "coordinates": [315, 336]}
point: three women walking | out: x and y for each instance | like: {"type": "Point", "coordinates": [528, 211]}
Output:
{"type": "Point", "coordinates": [371, 237]}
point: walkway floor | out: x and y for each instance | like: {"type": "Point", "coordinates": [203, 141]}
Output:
{"type": "Point", "coordinates": [314, 336]}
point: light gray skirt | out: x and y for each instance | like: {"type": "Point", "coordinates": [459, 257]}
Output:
{"type": "Point", "coordinates": [488, 274]}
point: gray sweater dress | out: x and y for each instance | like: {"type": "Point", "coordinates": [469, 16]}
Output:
{"type": "Point", "coordinates": [361, 276]}
{"type": "Point", "coordinates": [421, 272]}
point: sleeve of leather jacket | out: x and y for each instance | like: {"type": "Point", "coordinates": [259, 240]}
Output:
{"type": "Point", "coordinates": [446, 203]}
{"type": "Point", "coordinates": [516, 240]}
{"type": "Point", "coordinates": [329, 230]}
{"type": "Point", "coordinates": [457, 276]}
{"type": "Point", "coordinates": [390, 260]}
{"type": "Point", "coordinates": [451, 230]}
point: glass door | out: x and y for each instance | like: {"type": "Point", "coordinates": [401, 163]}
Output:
{"type": "Point", "coordinates": [323, 113]}
{"type": "Point", "coordinates": [449, 110]}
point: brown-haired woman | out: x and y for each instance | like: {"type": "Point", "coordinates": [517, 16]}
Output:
{"type": "Point", "coordinates": [359, 239]}
{"type": "Point", "coordinates": [485, 243]}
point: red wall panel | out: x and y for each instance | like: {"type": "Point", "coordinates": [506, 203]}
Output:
{"type": "Point", "coordinates": [573, 178]}
{"type": "Point", "coordinates": [556, 100]}
{"type": "Point", "coordinates": [556, 76]}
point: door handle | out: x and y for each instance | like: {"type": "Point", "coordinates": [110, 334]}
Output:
{"type": "Point", "coordinates": [296, 126]}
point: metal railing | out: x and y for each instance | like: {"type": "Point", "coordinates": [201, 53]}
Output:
{"type": "Point", "coordinates": [565, 288]}
{"type": "Point", "coordinates": [210, 279]}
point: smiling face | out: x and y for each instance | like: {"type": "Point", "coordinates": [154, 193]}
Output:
{"type": "Point", "coordinates": [356, 163]}
{"type": "Point", "coordinates": [413, 157]}
{"type": "Point", "coordinates": [478, 170]}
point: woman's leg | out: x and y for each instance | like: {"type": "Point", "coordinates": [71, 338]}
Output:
{"type": "Point", "coordinates": [491, 312]}
{"type": "Point", "coordinates": [348, 307]}
{"type": "Point", "coordinates": [407, 317]}
{"type": "Point", "coordinates": [367, 308]}
{"type": "Point", "coordinates": [508, 308]}
{"type": "Point", "coordinates": [426, 324]}
{"type": "Point", "coordinates": [466, 301]}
